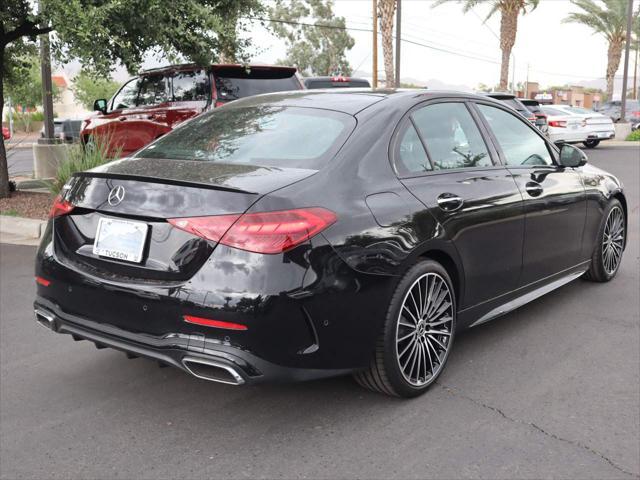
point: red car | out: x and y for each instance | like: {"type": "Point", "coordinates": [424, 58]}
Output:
{"type": "Point", "coordinates": [5, 133]}
{"type": "Point", "coordinates": [154, 102]}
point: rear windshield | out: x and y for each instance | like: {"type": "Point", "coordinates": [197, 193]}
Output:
{"type": "Point", "coordinates": [553, 111]}
{"type": "Point", "coordinates": [261, 135]}
{"type": "Point", "coordinates": [233, 84]}
{"type": "Point", "coordinates": [515, 104]}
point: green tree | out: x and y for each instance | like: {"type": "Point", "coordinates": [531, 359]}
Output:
{"type": "Point", "coordinates": [509, 13]}
{"type": "Point", "coordinates": [316, 39]}
{"type": "Point", "coordinates": [87, 87]}
{"type": "Point", "coordinates": [25, 88]}
{"type": "Point", "coordinates": [102, 33]}
{"type": "Point", "coordinates": [607, 18]}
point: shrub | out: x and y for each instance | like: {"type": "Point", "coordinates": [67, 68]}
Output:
{"type": "Point", "coordinates": [634, 136]}
{"type": "Point", "coordinates": [84, 157]}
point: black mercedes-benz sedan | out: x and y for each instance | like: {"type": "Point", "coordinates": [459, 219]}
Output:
{"type": "Point", "coordinates": [295, 236]}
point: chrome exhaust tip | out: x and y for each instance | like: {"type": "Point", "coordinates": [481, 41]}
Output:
{"type": "Point", "coordinates": [45, 319]}
{"type": "Point", "coordinates": [212, 371]}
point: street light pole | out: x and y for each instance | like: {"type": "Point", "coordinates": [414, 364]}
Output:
{"type": "Point", "coordinates": [375, 45]}
{"type": "Point", "coordinates": [625, 75]}
{"type": "Point", "coordinates": [398, 39]}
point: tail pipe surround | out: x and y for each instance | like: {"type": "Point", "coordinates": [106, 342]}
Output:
{"type": "Point", "coordinates": [46, 319]}
{"type": "Point", "coordinates": [212, 371]}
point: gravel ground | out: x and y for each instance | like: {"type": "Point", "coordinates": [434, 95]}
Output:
{"type": "Point", "coordinates": [26, 204]}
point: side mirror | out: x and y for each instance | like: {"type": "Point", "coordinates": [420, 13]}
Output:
{"type": "Point", "coordinates": [571, 156]}
{"type": "Point", "coordinates": [100, 105]}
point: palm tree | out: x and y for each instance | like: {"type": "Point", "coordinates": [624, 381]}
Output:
{"type": "Point", "coordinates": [386, 9]}
{"type": "Point", "coordinates": [608, 18]}
{"type": "Point", "coordinates": [509, 12]}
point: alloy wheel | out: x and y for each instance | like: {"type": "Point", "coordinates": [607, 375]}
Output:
{"type": "Point", "coordinates": [424, 329]}
{"type": "Point", "coordinates": [613, 241]}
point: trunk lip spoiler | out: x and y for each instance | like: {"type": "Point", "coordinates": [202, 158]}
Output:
{"type": "Point", "coordinates": [165, 181]}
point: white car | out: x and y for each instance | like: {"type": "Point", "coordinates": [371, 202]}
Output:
{"type": "Point", "coordinates": [600, 127]}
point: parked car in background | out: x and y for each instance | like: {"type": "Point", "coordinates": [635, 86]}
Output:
{"type": "Point", "coordinates": [65, 130]}
{"type": "Point", "coordinates": [335, 82]}
{"type": "Point", "coordinates": [303, 235]}
{"type": "Point", "coordinates": [600, 126]}
{"type": "Point", "coordinates": [6, 134]}
{"type": "Point", "coordinates": [566, 127]}
{"type": "Point", "coordinates": [541, 118]}
{"type": "Point", "coordinates": [613, 110]}
{"type": "Point", "coordinates": [515, 103]}
{"type": "Point", "coordinates": [156, 101]}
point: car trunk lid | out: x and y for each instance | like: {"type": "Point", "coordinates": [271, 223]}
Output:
{"type": "Point", "coordinates": [149, 192]}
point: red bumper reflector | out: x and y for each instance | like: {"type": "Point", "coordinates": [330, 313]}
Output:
{"type": "Point", "coordinates": [207, 322]}
{"type": "Point", "coordinates": [43, 281]}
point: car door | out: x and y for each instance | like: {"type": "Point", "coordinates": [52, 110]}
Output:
{"type": "Point", "coordinates": [111, 125]}
{"type": "Point", "coordinates": [148, 120]}
{"type": "Point", "coordinates": [554, 196]}
{"type": "Point", "coordinates": [443, 159]}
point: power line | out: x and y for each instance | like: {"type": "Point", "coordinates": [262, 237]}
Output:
{"type": "Point", "coordinates": [413, 42]}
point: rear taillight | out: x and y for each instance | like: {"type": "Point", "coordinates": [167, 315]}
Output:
{"type": "Point", "coordinates": [558, 123]}
{"type": "Point", "coordinates": [265, 232]}
{"type": "Point", "coordinates": [60, 207]}
{"type": "Point", "coordinates": [42, 281]}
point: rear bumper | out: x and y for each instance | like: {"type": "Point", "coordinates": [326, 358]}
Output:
{"type": "Point", "coordinates": [195, 354]}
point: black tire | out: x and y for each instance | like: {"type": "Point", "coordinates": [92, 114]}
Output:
{"type": "Point", "coordinates": [384, 373]}
{"type": "Point", "coordinates": [598, 271]}
{"type": "Point", "coordinates": [591, 143]}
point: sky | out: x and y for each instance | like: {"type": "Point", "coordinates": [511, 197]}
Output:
{"type": "Point", "coordinates": [546, 50]}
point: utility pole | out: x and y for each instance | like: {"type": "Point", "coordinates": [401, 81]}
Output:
{"type": "Point", "coordinates": [635, 71]}
{"type": "Point", "coordinates": [375, 45]}
{"type": "Point", "coordinates": [398, 39]}
{"type": "Point", "coordinates": [47, 88]}
{"type": "Point", "coordinates": [623, 99]}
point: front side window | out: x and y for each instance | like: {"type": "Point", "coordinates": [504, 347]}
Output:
{"type": "Point", "coordinates": [262, 135]}
{"type": "Point", "coordinates": [451, 136]}
{"type": "Point", "coordinates": [191, 86]}
{"type": "Point", "coordinates": [519, 143]}
{"type": "Point", "coordinates": [153, 90]}
{"type": "Point", "coordinates": [127, 96]}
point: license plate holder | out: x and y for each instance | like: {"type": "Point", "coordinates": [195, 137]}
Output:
{"type": "Point", "coordinates": [120, 239]}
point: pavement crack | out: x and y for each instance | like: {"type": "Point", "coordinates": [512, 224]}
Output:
{"type": "Point", "coordinates": [455, 392]}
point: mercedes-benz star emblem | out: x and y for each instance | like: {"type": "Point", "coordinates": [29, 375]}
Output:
{"type": "Point", "coordinates": [116, 195]}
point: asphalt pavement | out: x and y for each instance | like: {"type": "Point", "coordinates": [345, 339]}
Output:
{"type": "Point", "coordinates": [550, 390]}
{"type": "Point", "coordinates": [19, 160]}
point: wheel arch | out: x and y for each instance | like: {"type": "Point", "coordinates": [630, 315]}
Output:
{"type": "Point", "coordinates": [618, 195]}
{"type": "Point", "coordinates": [450, 265]}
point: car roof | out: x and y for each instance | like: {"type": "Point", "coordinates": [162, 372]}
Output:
{"type": "Point", "coordinates": [348, 100]}
{"type": "Point", "coordinates": [216, 66]}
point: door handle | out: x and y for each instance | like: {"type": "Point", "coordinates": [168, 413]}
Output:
{"type": "Point", "coordinates": [151, 116]}
{"type": "Point", "coordinates": [449, 202]}
{"type": "Point", "coordinates": [122, 119]}
{"type": "Point", "coordinates": [534, 189]}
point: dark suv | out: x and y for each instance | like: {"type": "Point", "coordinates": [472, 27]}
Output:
{"type": "Point", "coordinates": [514, 102]}
{"type": "Point", "coordinates": [154, 102]}
{"type": "Point", "coordinates": [335, 82]}
{"type": "Point", "coordinates": [541, 118]}
{"type": "Point", "coordinates": [613, 110]}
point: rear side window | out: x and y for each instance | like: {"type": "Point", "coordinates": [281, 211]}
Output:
{"type": "Point", "coordinates": [263, 135]}
{"type": "Point", "coordinates": [153, 90]}
{"type": "Point", "coordinates": [519, 143]}
{"type": "Point", "coordinates": [233, 84]}
{"type": "Point", "coordinates": [413, 158]}
{"type": "Point", "coordinates": [451, 136]}
{"type": "Point", "coordinates": [190, 86]}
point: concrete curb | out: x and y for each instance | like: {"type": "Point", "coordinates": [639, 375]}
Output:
{"type": "Point", "coordinates": [21, 230]}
